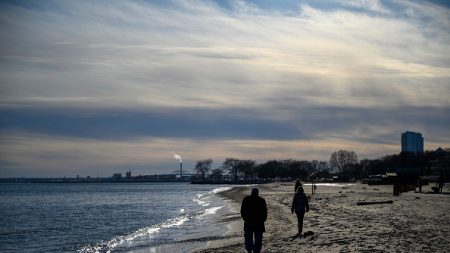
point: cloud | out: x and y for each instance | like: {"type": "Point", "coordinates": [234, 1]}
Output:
{"type": "Point", "coordinates": [370, 5]}
{"type": "Point", "coordinates": [366, 125]}
{"type": "Point", "coordinates": [181, 53]}
{"type": "Point", "coordinates": [354, 72]}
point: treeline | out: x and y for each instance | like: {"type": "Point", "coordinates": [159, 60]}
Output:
{"type": "Point", "coordinates": [343, 163]}
{"type": "Point", "coordinates": [246, 170]}
{"type": "Point", "coordinates": [390, 163]}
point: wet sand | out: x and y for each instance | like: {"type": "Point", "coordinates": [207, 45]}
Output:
{"type": "Point", "coordinates": [413, 223]}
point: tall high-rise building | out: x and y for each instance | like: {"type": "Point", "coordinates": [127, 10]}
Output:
{"type": "Point", "coordinates": [412, 142]}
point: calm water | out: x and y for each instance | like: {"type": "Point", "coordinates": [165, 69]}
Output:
{"type": "Point", "coordinates": [139, 217]}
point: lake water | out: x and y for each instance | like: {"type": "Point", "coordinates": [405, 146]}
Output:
{"type": "Point", "coordinates": [104, 217]}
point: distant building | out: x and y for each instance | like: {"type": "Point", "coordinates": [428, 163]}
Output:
{"type": "Point", "coordinates": [412, 142]}
{"type": "Point", "coordinates": [117, 176]}
{"type": "Point", "coordinates": [128, 174]}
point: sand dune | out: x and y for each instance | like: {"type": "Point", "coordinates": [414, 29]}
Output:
{"type": "Point", "coordinates": [413, 223]}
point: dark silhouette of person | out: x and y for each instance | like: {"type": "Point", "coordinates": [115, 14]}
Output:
{"type": "Point", "coordinates": [441, 182]}
{"type": "Point", "coordinates": [254, 213]}
{"type": "Point", "coordinates": [299, 206]}
{"type": "Point", "coordinates": [420, 183]}
{"type": "Point", "coordinates": [297, 184]}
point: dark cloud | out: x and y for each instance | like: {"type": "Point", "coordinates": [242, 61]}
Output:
{"type": "Point", "coordinates": [161, 122]}
{"type": "Point", "coordinates": [309, 123]}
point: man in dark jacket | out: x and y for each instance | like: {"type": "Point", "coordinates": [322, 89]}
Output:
{"type": "Point", "coordinates": [299, 205]}
{"type": "Point", "coordinates": [254, 213]}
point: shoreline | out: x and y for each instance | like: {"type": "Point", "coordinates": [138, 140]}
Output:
{"type": "Point", "coordinates": [234, 236]}
{"type": "Point", "coordinates": [222, 221]}
{"type": "Point", "coordinates": [414, 222]}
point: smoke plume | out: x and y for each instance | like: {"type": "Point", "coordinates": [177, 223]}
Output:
{"type": "Point", "coordinates": [178, 158]}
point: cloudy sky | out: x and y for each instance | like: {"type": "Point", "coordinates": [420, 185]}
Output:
{"type": "Point", "coordinates": [97, 87]}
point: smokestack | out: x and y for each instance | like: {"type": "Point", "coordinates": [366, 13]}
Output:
{"type": "Point", "coordinates": [181, 163]}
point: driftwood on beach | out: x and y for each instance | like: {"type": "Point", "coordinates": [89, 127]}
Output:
{"type": "Point", "coordinates": [374, 202]}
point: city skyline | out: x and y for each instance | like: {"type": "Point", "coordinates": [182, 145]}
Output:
{"type": "Point", "coordinates": [95, 87]}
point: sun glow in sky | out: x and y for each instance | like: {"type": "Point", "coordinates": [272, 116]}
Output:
{"type": "Point", "coordinates": [96, 87]}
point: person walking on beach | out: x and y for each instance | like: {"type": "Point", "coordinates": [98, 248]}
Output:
{"type": "Point", "coordinates": [299, 205]}
{"type": "Point", "coordinates": [419, 183]}
{"type": "Point", "coordinates": [441, 182]}
{"type": "Point", "coordinates": [254, 213]}
{"type": "Point", "coordinates": [297, 184]}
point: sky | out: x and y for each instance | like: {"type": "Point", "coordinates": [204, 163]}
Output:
{"type": "Point", "coordinates": [93, 88]}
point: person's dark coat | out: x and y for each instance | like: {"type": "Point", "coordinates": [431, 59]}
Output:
{"type": "Point", "coordinates": [254, 213]}
{"type": "Point", "coordinates": [300, 203]}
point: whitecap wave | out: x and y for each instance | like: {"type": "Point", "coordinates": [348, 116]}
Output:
{"type": "Point", "coordinates": [212, 210]}
{"type": "Point", "coordinates": [201, 199]}
{"type": "Point", "coordinates": [208, 211]}
{"type": "Point", "coordinates": [222, 189]}
{"type": "Point", "coordinates": [131, 239]}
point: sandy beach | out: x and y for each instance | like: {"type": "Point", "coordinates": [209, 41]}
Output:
{"type": "Point", "coordinates": [415, 222]}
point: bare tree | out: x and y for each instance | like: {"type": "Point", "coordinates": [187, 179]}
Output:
{"type": "Point", "coordinates": [246, 168]}
{"type": "Point", "coordinates": [320, 168]}
{"type": "Point", "coordinates": [323, 169]}
{"type": "Point", "coordinates": [203, 167]}
{"type": "Point", "coordinates": [343, 160]}
{"type": "Point", "coordinates": [217, 174]}
{"type": "Point", "coordinates": [315, 166]}
{"type": "Point", "coordinates": [232, 166]}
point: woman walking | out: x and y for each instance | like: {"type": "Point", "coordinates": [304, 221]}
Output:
{"type": "Point", "coordinates": [299, 206]}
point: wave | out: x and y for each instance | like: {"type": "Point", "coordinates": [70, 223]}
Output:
{"type": "Point", "coordinates": [212, 210]}
{"type": "Point", "coordinates": [140, 237]}
{"type": "Point", "coordinates": [203, 198]}
{"type": "Point", "coordinates": [133, 238]}
{"type": "Point", "coordinates": [222, 189]}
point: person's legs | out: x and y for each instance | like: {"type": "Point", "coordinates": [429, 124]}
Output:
{"type": "Point", "coordinates": [258, 242]}
{"type": "Point", "coordinates": [248, 235]}
{"type": "Point", "coordinates": [300, 217]}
